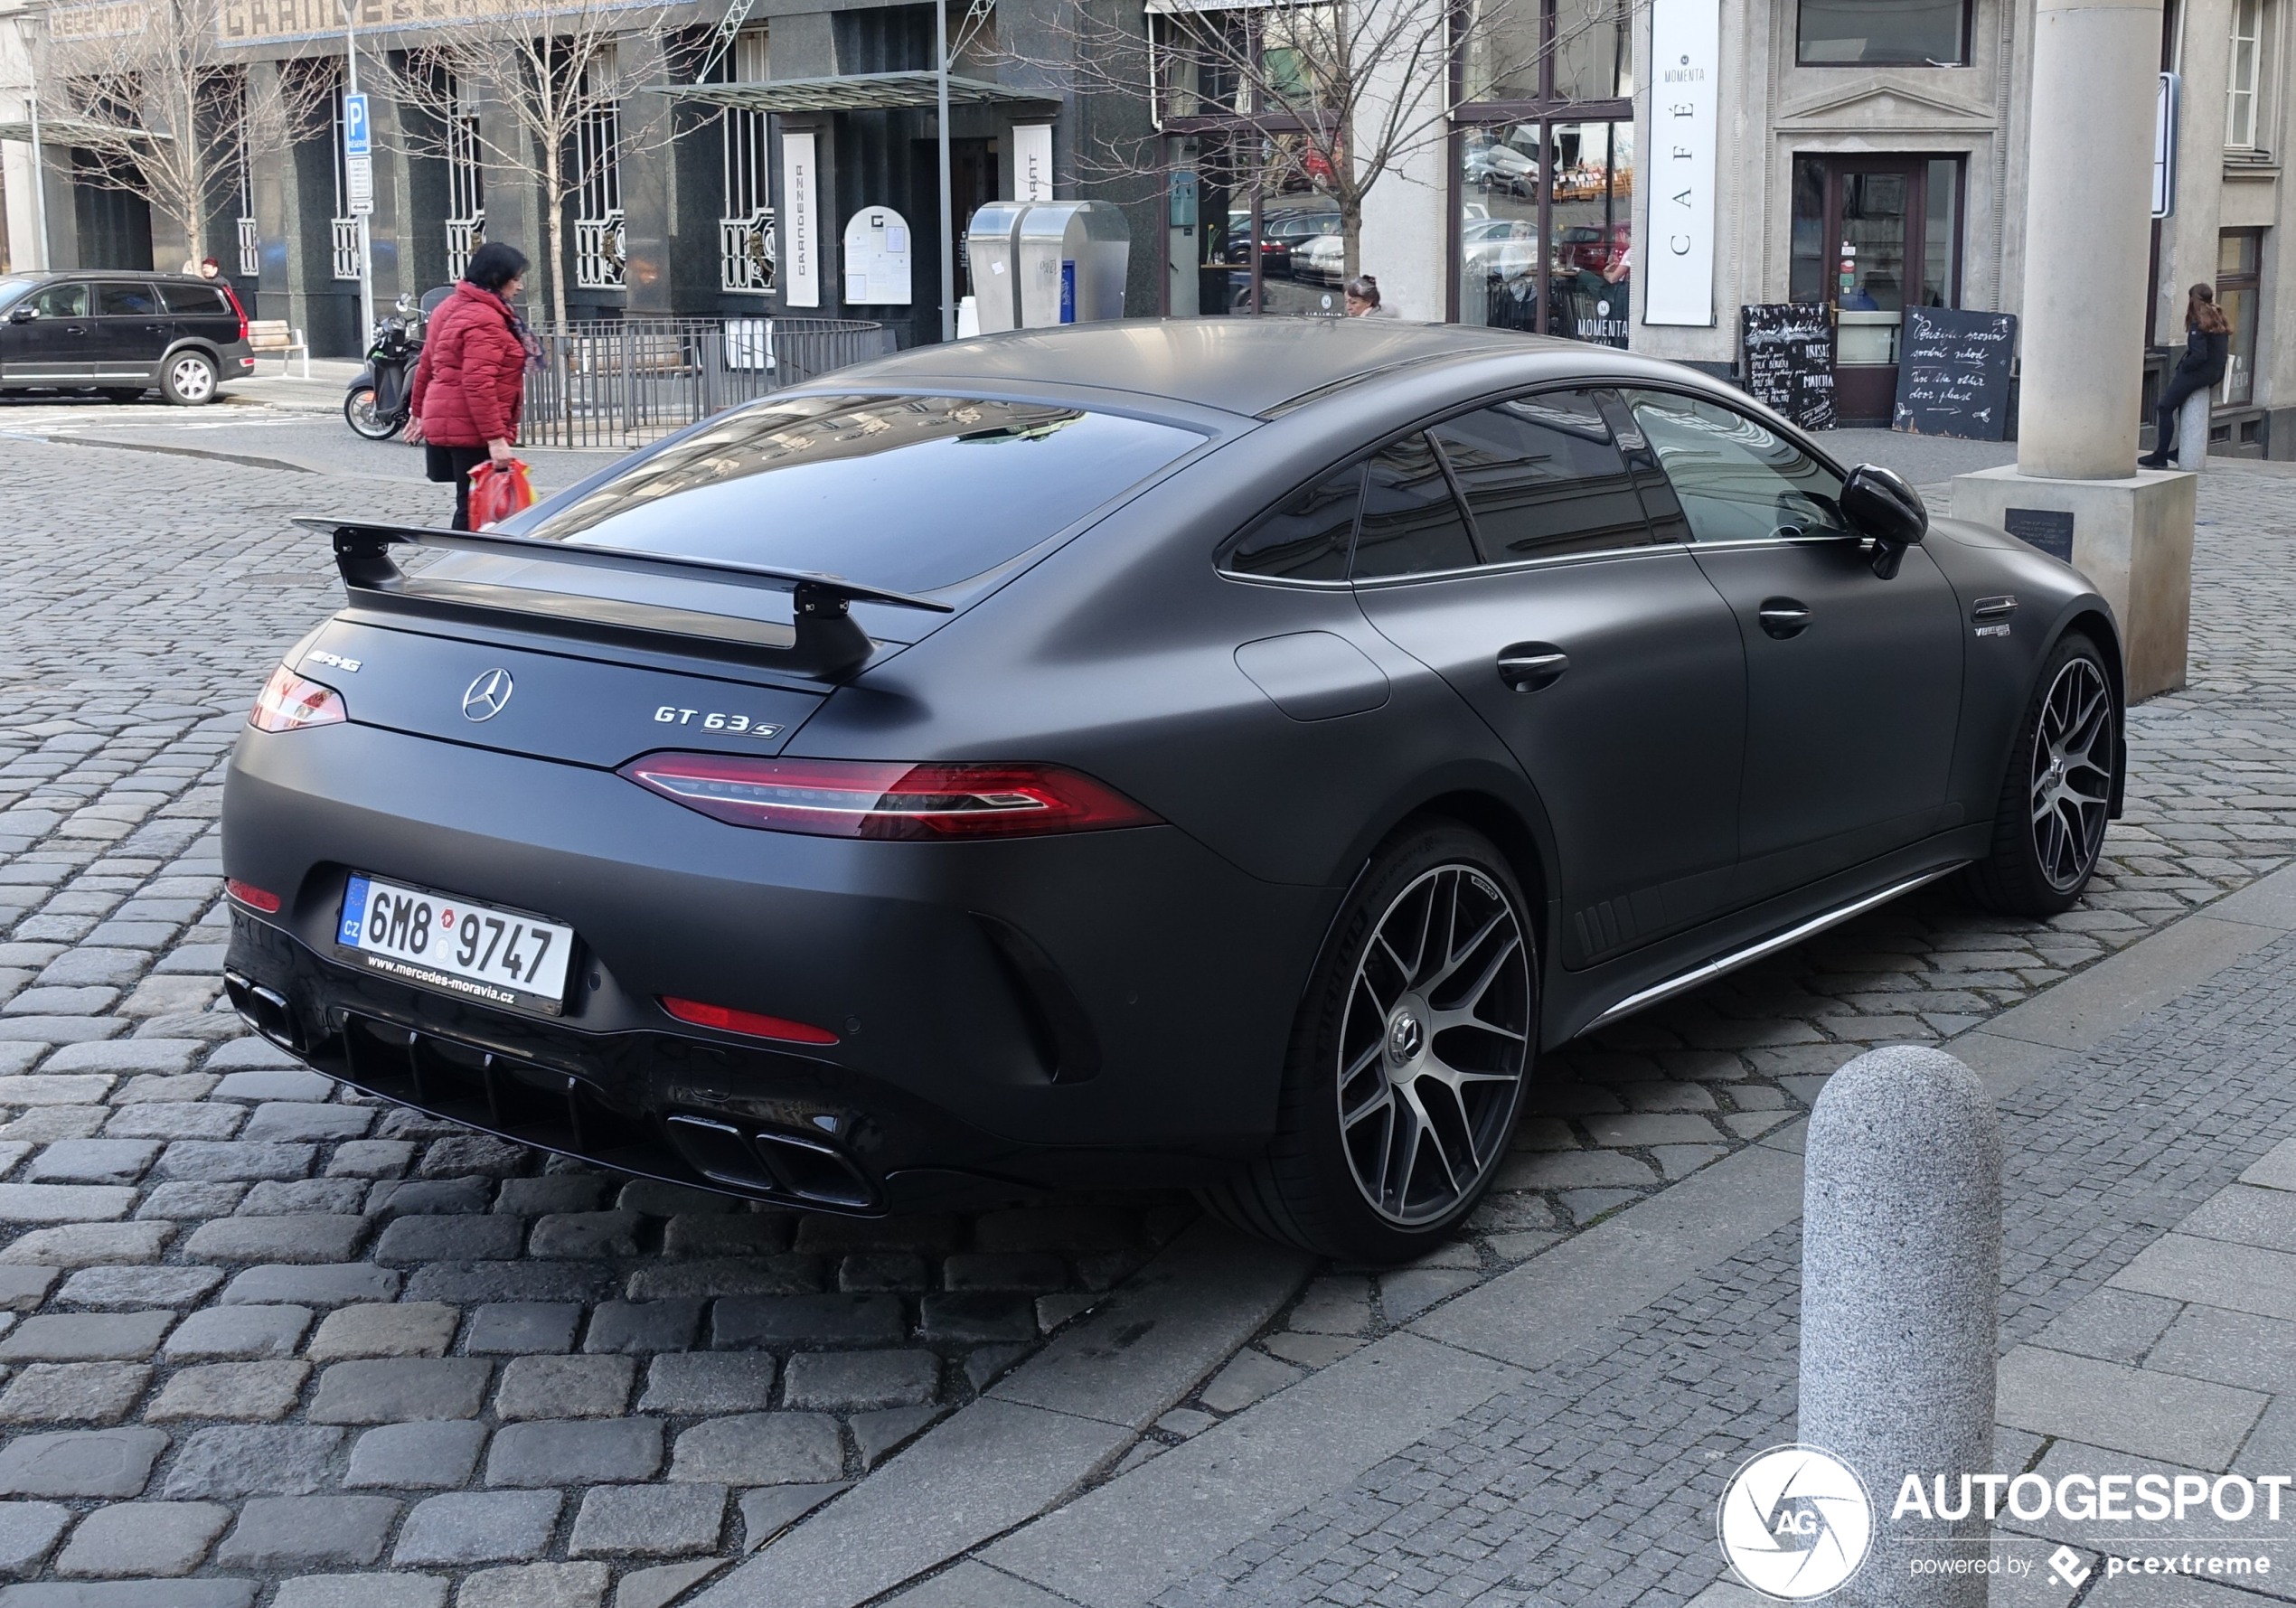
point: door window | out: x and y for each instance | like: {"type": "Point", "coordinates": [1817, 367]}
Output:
{"type": "Point", "coordinates": [125, 301]}
{"type": "Point", "coordinates": [196, 301]}
{"type": "Point", "coordinates": [1737, 480]}
{"type": "Point", "coordinates": [61, 301]}
{"type": "Point", "coordinates": [1411, 522]}
{"type": "Point", "coordinates": [1307, 537]}
{"type": "Point", "coordinates": [1542, 478]}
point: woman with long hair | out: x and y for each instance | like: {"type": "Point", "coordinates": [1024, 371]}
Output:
{"type": "Point", "coordinates": [471, 382]}
{"type": "Point", "coordinates": [2208, 348]}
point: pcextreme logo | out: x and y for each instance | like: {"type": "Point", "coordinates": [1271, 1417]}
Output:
{"type": "Point", "coordinates": [1795, 1522]}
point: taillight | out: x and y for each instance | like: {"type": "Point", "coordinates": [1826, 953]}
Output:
{"type": "Point", "coordinates": [752, 1022]}
{"type": "Point", "coordinates": [863, 798]}
{"type": "Point", "coordinates": [252, 897]}
{"type": "Point", "coordinates": [232, 297]}
{"type": "Point", "coordinates": [288, 702]}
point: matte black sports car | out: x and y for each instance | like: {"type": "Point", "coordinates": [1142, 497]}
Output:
{"type": "Point", "coordinates": [1214, 752]}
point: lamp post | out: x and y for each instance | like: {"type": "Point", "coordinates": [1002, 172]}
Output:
{"type": "Point", "coordinates": [948, 218]}
{"type": "Point", "coordinates": [39, 182]}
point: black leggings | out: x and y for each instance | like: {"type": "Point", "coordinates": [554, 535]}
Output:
{"type": "Point", "coordinates": [2172, 401]}
{"type": "Point", "coordinates": [455, 464]}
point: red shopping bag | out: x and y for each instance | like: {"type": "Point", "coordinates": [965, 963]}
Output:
{"type": "Point", "coordinates": [497, 490]}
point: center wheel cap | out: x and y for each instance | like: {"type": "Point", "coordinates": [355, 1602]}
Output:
{"type": "Point", "coordinates": [1406, 1036]}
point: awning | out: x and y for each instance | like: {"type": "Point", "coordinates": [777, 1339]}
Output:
{"type": "Point", "coordinates": [853, 92]}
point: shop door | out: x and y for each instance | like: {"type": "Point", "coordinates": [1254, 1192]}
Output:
{"type": "Point", "coordinates": [1874, 213]}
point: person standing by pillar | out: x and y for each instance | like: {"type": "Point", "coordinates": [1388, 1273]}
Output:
{"type": "Point", "coordinates": [2208, 348]}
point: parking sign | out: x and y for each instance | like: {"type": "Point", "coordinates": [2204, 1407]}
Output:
{"type": "Point", "coordinates": [355, 136]}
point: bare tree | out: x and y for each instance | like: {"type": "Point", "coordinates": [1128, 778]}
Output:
{"type": "Point", "coordinates": [1330, 96]}
{"type": "Point", "coordinates": [151, 91]}
{"type": "Point", "coordinates": [565, 72]}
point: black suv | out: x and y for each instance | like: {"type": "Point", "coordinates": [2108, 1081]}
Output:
{"type": "Point", "coordinates": [121, 335]}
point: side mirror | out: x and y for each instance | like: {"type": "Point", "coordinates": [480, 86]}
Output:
{"type": "Point", "coordinates": [1877, 502]}
{"type": "Point", "coordinates": [23, 314]}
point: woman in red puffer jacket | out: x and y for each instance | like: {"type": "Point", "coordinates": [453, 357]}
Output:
{"type": "Point", "coordinates": [472, 378]}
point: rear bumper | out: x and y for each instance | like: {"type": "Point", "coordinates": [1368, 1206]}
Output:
{"type": "Point", "coordinates": [1111, 1007]}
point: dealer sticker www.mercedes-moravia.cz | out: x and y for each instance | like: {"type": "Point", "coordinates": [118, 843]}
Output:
{"type": "Point", "coordinates": [456, 945]}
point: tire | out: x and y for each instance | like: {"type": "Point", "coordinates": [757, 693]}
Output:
{"type": "Point", "coordinates": [359, 413]}
{"type": "Point", "coordinates": [189, 379]}
{"type": "Point", "coordinates": [1370, 1028]}
{"type": "Point", "coordinates": [2048, 828]}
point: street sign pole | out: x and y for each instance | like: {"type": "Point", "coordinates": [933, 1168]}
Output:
{"type": "Point", "coordinates": [948, 220]}
{"type": "Point", "coordinates": [358, 168]}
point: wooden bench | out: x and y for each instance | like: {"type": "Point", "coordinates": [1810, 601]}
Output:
{"type": "Point", "coordinates": [273, 334]}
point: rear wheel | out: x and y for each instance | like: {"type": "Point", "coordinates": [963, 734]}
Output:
{"type": "Point", "coordinates": [189, 379]}
{"type": "Point", "coordinates": [359, 413]}
{"type": "Point", "coordinates": [1408, 1059]}
{"type": "Point", "coordinates": [2048, 830]}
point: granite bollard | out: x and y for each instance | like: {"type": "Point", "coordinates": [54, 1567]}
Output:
{"type": "Point", "coordinates": [1901, 1276]}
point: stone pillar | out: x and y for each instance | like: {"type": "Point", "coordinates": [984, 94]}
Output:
{"type": "Point", "coordinates": [278, 213]}
{"type": "Point", "coordinates": [1406, 239]}
{"type": "Point", "coordinates": [2087, 235]}
{"type": "Point", "coordinates": [2087, 225]}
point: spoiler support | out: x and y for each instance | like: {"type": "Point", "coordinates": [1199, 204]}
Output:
{"type": "Point", "coordinates": [827, 642]}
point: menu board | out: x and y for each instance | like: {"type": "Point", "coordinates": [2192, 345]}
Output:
{"type": "Point", "coordinates": [1789, 359]}
{"type": "Point", "coordinates": [1953, 373]}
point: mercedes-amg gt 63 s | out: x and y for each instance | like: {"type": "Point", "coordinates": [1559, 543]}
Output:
{"type": "Point", "coordinates": [1214, 753]}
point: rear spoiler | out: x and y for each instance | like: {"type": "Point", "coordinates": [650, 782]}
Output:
{"type": "Point", "coordinates": [824, 642]}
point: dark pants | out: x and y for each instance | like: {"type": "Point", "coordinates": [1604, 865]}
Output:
{"type": "Point", "coordinates": [2181, 386]}
{"type": "Point", "coordinates": [443, 464]}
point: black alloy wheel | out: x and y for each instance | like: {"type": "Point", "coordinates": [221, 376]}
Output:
{"type": "Point", "coordinates": [2049, 828]}
{"type": "Point", "coordinates": [1409, 1059]}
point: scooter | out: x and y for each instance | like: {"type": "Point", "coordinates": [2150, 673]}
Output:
{"type": "Point", "coordinates": [378, 402]}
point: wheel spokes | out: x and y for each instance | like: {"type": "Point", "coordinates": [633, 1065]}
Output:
{"type": "Point", "coordinates": [2072, 773]}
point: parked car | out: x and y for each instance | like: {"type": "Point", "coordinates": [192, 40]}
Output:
{"type": "Point", "coordinates": [1496, 165]}
{"type": "Point", "coordinates": [120, 334]}
{"type": "Point", "coordinates": [1220, 752]}
{"type": "Point", "coordinates": [1280, 233]}
{"type": "Point", "coordinates": [1591, 246]}
{"type": "Point", "coordinates": [1504, 249]}
{"type": "Point", "coordinates": [1322, 260]}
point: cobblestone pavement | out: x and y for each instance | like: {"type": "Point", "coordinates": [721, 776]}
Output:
{"type": "Point", "coordinates": [255, 1330]}
{"type": "Point", "coordinates": [1594, 1483]}
{"type": "Point", "coordinates": [306, 1337]}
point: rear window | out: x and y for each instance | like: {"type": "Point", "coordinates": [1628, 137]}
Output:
{"type": "Point", "coordinates": [906, 493]}
{"type": "Point", "coordinates": [127, 301]}
{"type": "Point", "coordinates": [196, 301]}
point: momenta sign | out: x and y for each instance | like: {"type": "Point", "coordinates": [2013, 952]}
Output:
{"type": "Point", "coordinates": [1685, 60]}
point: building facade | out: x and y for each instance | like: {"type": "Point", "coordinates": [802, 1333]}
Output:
{"type": "Point", "coordinates": [1863, 155]}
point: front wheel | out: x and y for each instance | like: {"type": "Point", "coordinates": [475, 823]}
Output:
{"type": "Point", "coordinates": [189, 379]}
{"type": "Point", "coordinates": [1408, 1059]}
{"type": "Point", "coordinates": [2048, 830]}
{"type": "Point", "coordinates": [359, 413]}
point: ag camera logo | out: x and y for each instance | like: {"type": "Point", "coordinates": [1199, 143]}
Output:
{"type": "Point", "coordinates": [1795, 1522]}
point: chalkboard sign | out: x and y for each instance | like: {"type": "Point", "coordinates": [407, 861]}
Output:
{"type": "Point", "coordinates": [1953, 373]}
{"type": "Point", "coordinates": [1789, 360]}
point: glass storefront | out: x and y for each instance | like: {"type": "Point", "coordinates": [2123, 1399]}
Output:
{"type": "Point", "coordinates": [1546, 228]}
{"type": "Point", "coordinates": [2240, 256]}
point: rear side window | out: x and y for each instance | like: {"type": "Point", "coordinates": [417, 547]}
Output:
{"type": "Point", "coordinates": [1307, 537]}
{"type": "Point", "coordinates": [1411, 522]}
{"type": "Point", "coordinates": [196, 301]}
{"type": "Point", "coordinates": [906, 493]}
{"type": "Point", "coordinates": [126, 300]}
{"type": "Point", "coordinates": [1543, 478]}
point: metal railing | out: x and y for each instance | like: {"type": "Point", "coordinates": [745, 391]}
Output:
{"type": "Point", "coordinates": [346, 247]}
{"type": "Point", "coordinates": [598, 252]}
{"type": "Point", "coordinates": [623, 383]}
{"type": "Point", "coordinates": [746, 251]}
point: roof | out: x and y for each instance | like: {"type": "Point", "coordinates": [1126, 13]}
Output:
{"type": "Point", "coordinates": [1241, 365]}
{"type": "Point", "coordinates": [111, 273]}
{"type": "Point", "coordinates": [852, 91]}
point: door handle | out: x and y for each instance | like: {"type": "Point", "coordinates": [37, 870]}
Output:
{"type": "Point", "coordinates": [1784, 616]}
{"type": "Point", "coordinates": [1528, 666]}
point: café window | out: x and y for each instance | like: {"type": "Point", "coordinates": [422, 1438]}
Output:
{"type": "Point", "coordinates": [2240, 254]}
{"type": "Point", "coordinates": [2248, 79]}
{"type": "Point", "coordinates": [1882, 33]}
{"type": "Point", "coordinates": [1547, 50]}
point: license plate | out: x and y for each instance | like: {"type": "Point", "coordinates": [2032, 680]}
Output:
{"type": "Point", "coordinates": [463, 947]}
